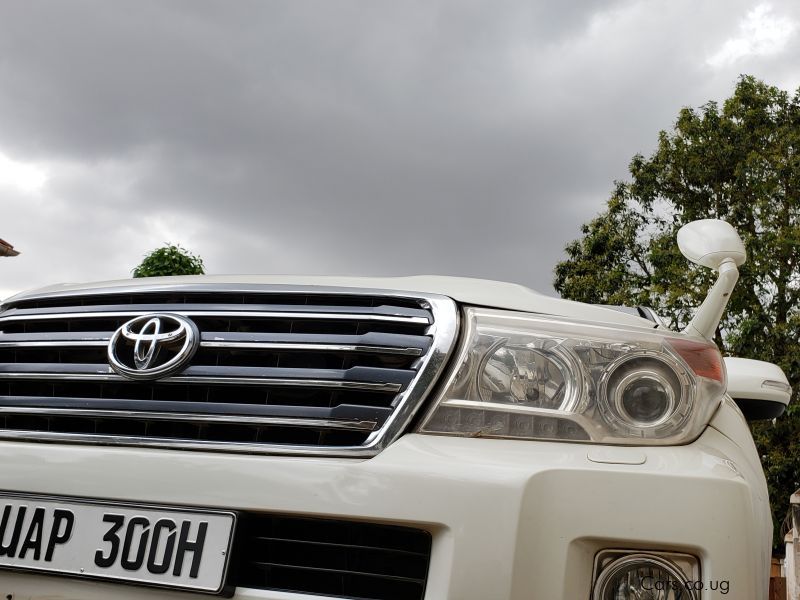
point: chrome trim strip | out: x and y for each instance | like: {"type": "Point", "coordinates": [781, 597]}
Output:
{"type": "Point", "coordinates": [317, 383]}
{"type": "Point", "coordinates": [265, 381]}
{"type": "Point", "coordinates": [320, 347]}
{"type": "Point", "coordinates": [148, 305]}
{"type": "Point", "coordinates": [62, 344]}
{"type": "Point", "coordinates": [245, 314]}
{"type": "Point", "coordinates": [234, 346]}
{"type": "Point", "coordinates": [430, 367]}
{"type": "Point", "coordinates": [401, 344]}
{"type": "Point", "coordinates": [197, 445]}
{"type": "Point", "coordinates": [189, 417]}
{"type": "Point", "coordinates": [343, 412]}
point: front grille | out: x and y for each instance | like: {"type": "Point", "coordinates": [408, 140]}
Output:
{"type": "Point", "coordinates": [318, 371]}
{"type": "Point", "coordinates": [333, 558]}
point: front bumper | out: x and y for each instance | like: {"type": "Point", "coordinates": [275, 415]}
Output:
{"type": "Point", "coordinates": [511, 520]}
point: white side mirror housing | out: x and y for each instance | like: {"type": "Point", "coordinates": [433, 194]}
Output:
{"type": "Point", "coordinates": [710, 242]}
{"type": "Point", "coordinates": [715, 244]}
{"type": "Point", "coordinates": [761, 389]}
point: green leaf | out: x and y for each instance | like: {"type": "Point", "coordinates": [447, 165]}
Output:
{"type": "Point", "coordinates": [169, 260]}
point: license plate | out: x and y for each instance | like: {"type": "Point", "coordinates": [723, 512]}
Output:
{"type": "Point", "coordinates": [151, 545]}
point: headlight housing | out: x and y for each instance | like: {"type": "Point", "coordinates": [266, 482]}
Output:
{"type": "Point", "coordinates": [527, 376]}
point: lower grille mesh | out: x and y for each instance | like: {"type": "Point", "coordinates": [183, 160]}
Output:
{"type": "Point", "coordinates": [333, 558]}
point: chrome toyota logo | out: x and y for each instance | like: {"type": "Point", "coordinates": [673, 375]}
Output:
{"type": "Point", "coordinates": [153, 346]}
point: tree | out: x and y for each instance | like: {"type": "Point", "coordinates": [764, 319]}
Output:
{"type": "Point", "coordinates": [740, 163]}
{"type": "Point", "coordinates": [169, 260]}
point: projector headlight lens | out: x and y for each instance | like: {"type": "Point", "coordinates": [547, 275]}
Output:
{"type": "Point", "coordinates": [643, 390]}
{"type": "Point", "coordinates": [525, 376]}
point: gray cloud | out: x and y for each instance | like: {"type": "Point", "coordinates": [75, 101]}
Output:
{"type": "Point", "coordinates": [468, 138]}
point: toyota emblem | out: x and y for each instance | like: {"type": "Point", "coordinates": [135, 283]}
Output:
{"type": "Point", "coordinates": [153, 346]}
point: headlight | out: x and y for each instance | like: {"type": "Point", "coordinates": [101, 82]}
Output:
{"type": "Point", "coordinates": [524, 376]}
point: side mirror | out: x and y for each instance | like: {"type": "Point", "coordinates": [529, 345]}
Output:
{"type": "Point", "coordinates": [710, 242]}
{"type": "Point", "coordinates": [715, 244]}
{"type": "Point", "coordinates": [759, 388]}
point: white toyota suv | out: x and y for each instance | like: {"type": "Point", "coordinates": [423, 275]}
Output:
{"type": "Point", "coordinates": [295, 438]}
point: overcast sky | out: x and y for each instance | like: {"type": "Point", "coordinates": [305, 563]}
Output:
{"type": "Point", "coordinates": [371, 137]}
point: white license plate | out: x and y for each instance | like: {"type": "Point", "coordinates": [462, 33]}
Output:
{"type": "Point", "coordinates": [173, 547]}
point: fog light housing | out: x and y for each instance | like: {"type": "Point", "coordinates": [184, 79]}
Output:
{"type": "Point", "coordinates": [626, 575]}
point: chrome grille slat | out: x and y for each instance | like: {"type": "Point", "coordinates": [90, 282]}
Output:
{"type": "Point", "coordinates": [341, 413]}
{"type": "Point", "coordinates": [61, 344]}
{"type": "Point", "coordinates": [388, 379]}
{"type": "Point", "coordinates": [271, 361]}
{"type": "Point", "coordinates": [235, 345]}
{"type": "Point", "coordinates": [370, 343]}
{"type": "Point", "coordinates": [184, 444]}
{"type": "Point", "coordinates": [189, 417]}
{"type": "Point", "coordinates": [55, 337]}
{"type": "Point", "coordinates": [27, 315]}
{"type": "Point", "coordinates": [281, 309]}
{"type": "Point", "coordinates": [382, 340]}
{"type": "Point", "coordinates": [273, 382]}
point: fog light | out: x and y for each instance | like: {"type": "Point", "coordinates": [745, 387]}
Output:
{"type": "Point", "coordinates": [643, 576]}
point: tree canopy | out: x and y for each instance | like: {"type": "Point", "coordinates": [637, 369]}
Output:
{"type": "Point", "coordinates": [739, 162]}
{"type": "Point", "coordinates": [170, 259]}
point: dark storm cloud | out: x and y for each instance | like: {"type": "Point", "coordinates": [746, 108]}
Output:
{"type": "Point", "coordinates": [465, 138]}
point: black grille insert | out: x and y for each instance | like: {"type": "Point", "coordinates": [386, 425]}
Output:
{"type": "Point", "coordinates": [333, 558]}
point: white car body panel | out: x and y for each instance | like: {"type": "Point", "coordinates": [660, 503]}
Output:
{"type": "Point", "coordinates": [511, 519]}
